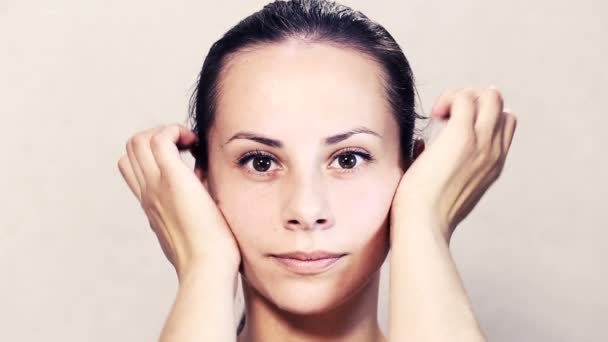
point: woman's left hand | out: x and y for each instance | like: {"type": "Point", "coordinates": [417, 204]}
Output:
{"type": "Point", "coordinates": [450, 176]}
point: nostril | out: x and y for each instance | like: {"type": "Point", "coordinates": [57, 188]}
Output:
{"type": "Point", "coordinates": [318, 223]}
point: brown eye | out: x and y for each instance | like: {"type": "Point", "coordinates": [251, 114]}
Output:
{"type": "Point", "coordinates": [347, 161]}
{"type": "Point", "coordinates": [261, 164]}
{"type": "Point", "coordinates": [351, 159]}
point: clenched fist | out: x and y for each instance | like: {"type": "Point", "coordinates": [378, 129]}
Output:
{"type": "Point", "coordinates": [189, 226]}
{"type": "Point", "coordinates": [449, 178]}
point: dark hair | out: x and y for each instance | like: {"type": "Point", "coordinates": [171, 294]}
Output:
{"type": "Point", "coordinates": [311, 20]}
{"type": "Point", "coordinates": [316, 21]}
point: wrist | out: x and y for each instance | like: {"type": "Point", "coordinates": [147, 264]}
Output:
{"type": "Point", "coordinates": [406, 220]}
{"type": "Point", "coordinates": [207, 269]}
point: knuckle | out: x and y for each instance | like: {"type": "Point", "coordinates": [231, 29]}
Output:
{"type": "Point", "coordinates": [138, 141]}
{"type": "Point", "coordinates": [466, 95]}
{"type": "Point", "coordinates": [121, 162]}
{"type": "Point", "coordinates": [448, 91]}
{"type": "Point", "coordinates": [445, 96]}
{"type": "Point", "coordinates": [492, 92]}
{"type": "Point", "coordinates": [469, 92]}
{"type": "Point", "coordinates": [175, 128]}
{"type": "Point", "coordinates": [129, 144]}
{"type": "Point", "coordinates": [463, 98]}
{"type": "Point", "coordinates": [493, 95]}
{"type": "Point", "coordinates": [155, 142]}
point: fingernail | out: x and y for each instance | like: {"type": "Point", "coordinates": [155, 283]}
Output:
{"type": "Point", "coordinates": [492, 87]}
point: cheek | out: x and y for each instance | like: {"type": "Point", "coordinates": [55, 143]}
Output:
{"type": "Point", "coordinates": [361, 206]}
{"type": "Point", "coordinates": [249, 211]}
{"type": "Point", "coordinates": [364, 213]}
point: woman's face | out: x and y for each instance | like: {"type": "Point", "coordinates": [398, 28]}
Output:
{"type": "Point", "coordinates": [305, 191]}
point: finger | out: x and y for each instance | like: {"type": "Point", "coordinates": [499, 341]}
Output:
{"type": "Point", "coordinates": [139, 176]}
{"type": "Point", "coordinates": [441, 108]}
{"type": "Point", "coordinates": [187, 139]}
{"type": "Point", "coordinates": [489, 113]}
{"type": "Point", "coordinates": [165, 146]}
{"type": "Point", "coordinates": [494, 157]}
{"type": "Point", "coordinates": [124, 165]}
{"type": "Point", "coordinates": [463, 109]}
{"type": "Point", "coordinates": [510, 126]}
{"type": "Point", "coordinates": [498, 137]}
{"type": "Point", "coordinates": [504, 141]}
{"type": "Point", "coordinates": [145, 158]}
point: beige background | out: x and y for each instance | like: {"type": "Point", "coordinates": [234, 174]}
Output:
{"type": "Point", "coordinates": [77, 78]}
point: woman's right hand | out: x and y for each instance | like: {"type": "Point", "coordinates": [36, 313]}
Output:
{"type": "Point", "coordinates": [189, 226]}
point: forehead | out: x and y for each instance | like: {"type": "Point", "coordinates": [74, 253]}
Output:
{"type": "Point", "coordinates": [301, 85]}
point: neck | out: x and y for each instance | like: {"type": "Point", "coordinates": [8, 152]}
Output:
{"type": "Point", "coordinates": [352, 321]}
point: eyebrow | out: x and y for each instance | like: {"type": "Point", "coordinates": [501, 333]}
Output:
{"type": "Point", "coordinates": [331, 140]}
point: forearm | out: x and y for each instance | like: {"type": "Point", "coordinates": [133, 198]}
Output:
{"type": "Point", "coordinates": [428, 301]}
{"type": "Point", "coordinates": [203, 309]}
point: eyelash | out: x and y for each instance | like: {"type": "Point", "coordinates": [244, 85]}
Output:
{"type": "Point", "coordinates": [368, 158]}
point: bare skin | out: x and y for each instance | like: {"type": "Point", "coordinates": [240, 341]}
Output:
{"type": "Point", "coordinates": [305, 201]}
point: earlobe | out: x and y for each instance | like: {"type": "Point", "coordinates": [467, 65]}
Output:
{"type": "Point", "coordinates": [418, 147]}
{"type": "Point", "coordinates": [200, 174]}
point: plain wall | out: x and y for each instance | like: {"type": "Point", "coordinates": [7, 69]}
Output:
{"type": "Point", "coordinates": [78, 261]}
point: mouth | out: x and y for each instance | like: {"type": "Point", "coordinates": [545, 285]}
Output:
{"type": "Point", "coordinates": [307, 263]}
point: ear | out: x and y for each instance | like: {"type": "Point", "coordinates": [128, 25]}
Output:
{"type": "Point", "coordinates": [418, 149]}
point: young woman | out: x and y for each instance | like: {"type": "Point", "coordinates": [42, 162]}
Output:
{"type": "Point", "coordinates": [307, 172]}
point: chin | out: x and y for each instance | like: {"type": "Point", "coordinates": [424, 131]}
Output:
{"type": "Point", "coordinates": [307, 296]}
{"type": "Point", "coordinates": [313, 294]}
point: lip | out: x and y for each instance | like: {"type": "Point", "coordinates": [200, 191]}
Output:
{"type": "Point", "coordinates": [308, 262]}
{"type": "Point", "coordinates": [309, 256]}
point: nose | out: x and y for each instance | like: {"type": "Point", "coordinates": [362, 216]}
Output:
{"type": "Point", "coordinates": [306, 206]}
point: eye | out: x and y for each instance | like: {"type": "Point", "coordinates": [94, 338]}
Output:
{"type": "Point", "coordinates": [349, 158]}
{"type": "Point", "coordinates": [260, 162]}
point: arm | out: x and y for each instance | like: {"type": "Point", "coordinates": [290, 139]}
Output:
{"type": "Point", "coordinates": [427, 299]}
{"type": "Point", "coordinates": [438, 190]}
{"type": "Point", "coordinates": [204, 307]}
{"type": "Point", "coordinates": [192, 232]}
